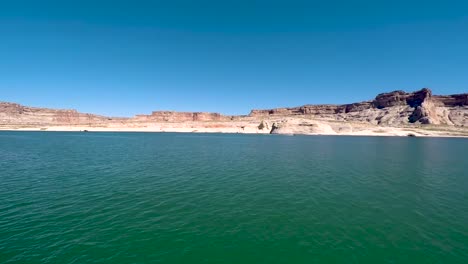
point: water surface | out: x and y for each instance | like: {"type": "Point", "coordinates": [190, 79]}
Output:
{"type": "Point", "coordinates": [218, 198]}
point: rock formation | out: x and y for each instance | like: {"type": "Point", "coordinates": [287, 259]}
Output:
{"type": "Point", "coordinates": [16, 114]}
{"type": "Point", "coordinates": [172, 116]}
{"type": "Point", "coordinates": [395, 109]}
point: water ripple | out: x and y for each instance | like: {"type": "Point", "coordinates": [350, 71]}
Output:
{"type": "Point", "coordinates": [142, 197]}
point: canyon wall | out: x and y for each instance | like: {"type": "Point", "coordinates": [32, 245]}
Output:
{"type": "Point", "coordinates": [16, 114]}
{"type": "Point", "coordinates": [172, 116]}
{"type": "Point", "coordinates": [394, 108]}
{"type": "Point", "coordinates": [389, 109]}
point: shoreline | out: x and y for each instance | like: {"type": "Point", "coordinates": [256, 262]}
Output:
{"type": "Point", "coordinates": [381, 131]}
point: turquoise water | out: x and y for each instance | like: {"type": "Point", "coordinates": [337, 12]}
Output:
{"type": "Point", "coordinates": [213, 198]}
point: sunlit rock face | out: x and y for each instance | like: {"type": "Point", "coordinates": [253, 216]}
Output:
{"type": "Point", "coordinates": [173, 116]}
{"type": "Point", "coordinates": [11, 113]}
{"type": "Point", "coordinates": [394, 108]}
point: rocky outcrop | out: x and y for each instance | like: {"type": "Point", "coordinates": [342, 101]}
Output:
{"type": "Point", "coordinates": [394, 108]}
{"type": "Point", "coordinates": [301, 126]}
{"type": "Point", "coordinates": [319, 110]}
{"type": "Point", "coordinates": [456, 100]}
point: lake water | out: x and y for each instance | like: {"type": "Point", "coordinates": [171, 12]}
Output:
{"type": "Point", "coordinates": [216, 198]}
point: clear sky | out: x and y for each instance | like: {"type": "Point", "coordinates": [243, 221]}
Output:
{"type": "Point", "coordinates": [121, 58]}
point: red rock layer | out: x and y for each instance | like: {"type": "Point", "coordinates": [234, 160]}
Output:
{"type": "Point", "coordinates": [172, 116]}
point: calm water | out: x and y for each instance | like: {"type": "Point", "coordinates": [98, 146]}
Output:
{"type": "Point", "coordinates": [196, 198]}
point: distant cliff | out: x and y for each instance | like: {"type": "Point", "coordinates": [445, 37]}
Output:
{"type": "Point", "coordinates": [394, 108]}
{"type": "Point", "coordinates": [172, 116]}
{"type": "Point", "coordinates": [390, 109]}
{"type": "Point", "coordinates": [16, 114]}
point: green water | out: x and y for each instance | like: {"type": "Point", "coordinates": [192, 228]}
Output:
{"type": "Point", "coordinates": [212, 198]}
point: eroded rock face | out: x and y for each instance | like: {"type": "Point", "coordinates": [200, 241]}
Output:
{"type": "Point", "coordinates": [389, 99]}
{"type": "Point", "coordinates": [11, 113]}
{"type": "Point", "coordinates": [263, 125]}
{"type": "Point", "coordinates": [394, 108]}
{"type": "Point", "coordinates": [400, 98]}
{"type": "Point", "coordinates": [301, 126]}
{"type": "Point", "coordinates": [172, 116]}
{"type": "Point", "coordinates": [451, 100]}
{"type": "Point", "coordinates": [15, 114]}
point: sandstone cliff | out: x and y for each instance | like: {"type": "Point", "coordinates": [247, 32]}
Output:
{"type": "Point", "coordinates": [395, 108]}
{"type": "Point", "coordinates": [386, 111]}
{"type": "Point", "coordinates": [171, 116]}
{"type": "Point", "coordinates": [16, 114]}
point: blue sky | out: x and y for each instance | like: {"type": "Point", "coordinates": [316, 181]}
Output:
{"type": "Point", "coordinates": [122, 58]}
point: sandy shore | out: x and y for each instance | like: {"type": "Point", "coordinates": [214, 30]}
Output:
{"type": "Point", "coordinates": [289, 127]}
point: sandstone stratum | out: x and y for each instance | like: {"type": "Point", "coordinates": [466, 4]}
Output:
{"type": "Point", "coordinates": [396, 113]}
